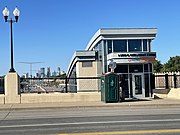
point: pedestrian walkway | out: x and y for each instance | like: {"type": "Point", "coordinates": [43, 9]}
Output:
{"type": "Point", "coordinates": [127, 103]}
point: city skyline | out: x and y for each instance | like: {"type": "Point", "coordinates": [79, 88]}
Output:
{"type": "Point", "coordinates": [43, 72]}
{"type": "Point", "coordinates": [52, 30]}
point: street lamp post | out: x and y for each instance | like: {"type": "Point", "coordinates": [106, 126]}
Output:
{"type": "Point", "coordinates": [16, 14]}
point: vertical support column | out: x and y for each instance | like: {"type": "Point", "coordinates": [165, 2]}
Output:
{"type": "Point", "coordinates": [166, 81]}
{"type": "Point", "coordinates": [175, 81]}
{"type": "Point", "coordinates": [66, 89]}
{"type": "Point", "coordinates": [103, 57]}
{"type": "Point", "coordinates": [152, 79]}
{"type": "Point", "coordinates": [12, 88]}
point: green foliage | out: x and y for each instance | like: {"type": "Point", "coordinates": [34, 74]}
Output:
{"type": "Point", "coordinates": [173, 65]}
{"type": "Point", "coordinates": [158, 66]}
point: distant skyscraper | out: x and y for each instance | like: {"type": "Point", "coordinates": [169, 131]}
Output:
{"type": "Point", "coordinates": [25, 75]}
{"type": "Point", "coordinates": [59, 71]}
{"type": "Point", "coordinates": [38, 75]}
{"type": "Point", "coordinates": [54, 73]}
{"type": "Point", "coordinates": [48, 72]}
{"type": "Point", "coordinates": [42, 72]}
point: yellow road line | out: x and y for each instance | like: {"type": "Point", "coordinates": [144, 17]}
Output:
{"type": "Point", "coordinates": [128, 132]}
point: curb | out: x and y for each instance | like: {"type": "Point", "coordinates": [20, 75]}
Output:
{"type": "Point", "coordinates": [95, 105]}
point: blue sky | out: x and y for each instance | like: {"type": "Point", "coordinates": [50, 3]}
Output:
{"type": "Point", "coordinates": [50, 31]}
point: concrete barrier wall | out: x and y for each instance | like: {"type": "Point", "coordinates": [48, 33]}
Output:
{"type": "Point", "coordinates": [174, 93]}
{"type": "Point", "coordinates": [157, 95]}
{"type": "Point", "coordinates": [61, 97]}
{"type": "Point", "coordinates": [87, 85]}
{"type": "Point", "coordinates": [160, 93]}
{"type": "Point", "coordinates": [1, 98]}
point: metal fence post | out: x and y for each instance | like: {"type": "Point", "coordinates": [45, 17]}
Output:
{"type": "Point", "coordinates": [2, 91]}
{"type": "Point", "coordinates": [166, 81]}
{"type": "Point", "coordinates": [175, 81]}
{"type": "Point", "coordinates": [152, 81]}
{"type": "Point", "coordinates": [66, 89]}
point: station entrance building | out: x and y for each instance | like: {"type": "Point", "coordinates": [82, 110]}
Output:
{"type": "Point", "coordinates": [129, 48]}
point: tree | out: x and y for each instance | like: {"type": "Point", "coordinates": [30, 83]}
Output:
{"type": "Point", "coordinates": [158, 66]}
{"type": "Point", "coordinates": [173, 64]}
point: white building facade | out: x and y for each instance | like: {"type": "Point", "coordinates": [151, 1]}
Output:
{"type": "Point", "coordinates": [129, 48]}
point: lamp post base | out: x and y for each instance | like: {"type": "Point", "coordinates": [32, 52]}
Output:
{"type": "Point", "coordinates": [12, 70]}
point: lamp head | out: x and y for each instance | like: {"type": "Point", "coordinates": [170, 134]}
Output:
{"type": "Point", "coordinates": [5, 13]}
{"type": "Point", "coordinates": [16, 13]}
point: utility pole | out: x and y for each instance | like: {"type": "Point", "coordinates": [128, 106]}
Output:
{"type": "Point", "coordinates": [31, 63]}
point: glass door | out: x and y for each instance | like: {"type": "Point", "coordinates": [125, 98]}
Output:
{"type": "Point", "coordinates": [138, 85]}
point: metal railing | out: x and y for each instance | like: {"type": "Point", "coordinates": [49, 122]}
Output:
{"type": "Point", "coordinates": [61, 85]}
{"type": "Point", "coordinates": [82, 84]}
{"type": "Point", "coordinates": [167, 81]}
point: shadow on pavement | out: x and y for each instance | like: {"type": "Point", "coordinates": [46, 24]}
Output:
{"type": "Point", "coordinates": [136, 100]}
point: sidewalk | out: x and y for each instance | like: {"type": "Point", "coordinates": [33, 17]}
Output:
{"type": "Point", "coordinates": [128, 103]}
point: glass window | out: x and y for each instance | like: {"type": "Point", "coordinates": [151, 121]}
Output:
{"type": "Point", "coordinates": [109, 45]}
{"type": "Point", "coordinates": [87, 64]}
{"type": "Point", "coordinates": [121, 69]}
{"type": "Point", "coordinates": [146, 80]}
{"type": "Point", "coordinates": [150, 66]}
{"type": "Point", "coordinates": [99, 49]}
{"type": "Point", "coordinates": [149, 44]}
{"type": "Point", "coordinates": [120, 45]}
{"type": "Point", "coordinates": [138, 84]}
{"type": "Point", "coordinates": [145, 45]}
{"type": "Point", "coordinates": [124, 85]}
{"type": "Point", "coordinates": [135, 68]}
{"type": "Point", "coordinates": [146, 69]}
{"type": "Point", "coordinates": [134, 45]}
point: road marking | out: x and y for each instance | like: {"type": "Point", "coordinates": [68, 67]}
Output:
{"type": "Point", "coordinates": [88, 123]}
{"type": "Point", "coordinates": [128, 132]}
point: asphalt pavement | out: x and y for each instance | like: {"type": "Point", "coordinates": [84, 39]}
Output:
{"type": "Point", "coordinates": [106, 120]}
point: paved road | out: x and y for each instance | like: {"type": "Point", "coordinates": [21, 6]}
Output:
{"type": "Point", "coordinates": [93, 121]}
